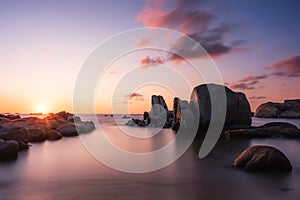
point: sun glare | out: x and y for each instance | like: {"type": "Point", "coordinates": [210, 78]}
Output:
{"type": "Point", "coordinates": [41, 108]}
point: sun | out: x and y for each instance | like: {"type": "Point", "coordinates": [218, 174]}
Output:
{"type": "Point", "coordinates": [41, 108]}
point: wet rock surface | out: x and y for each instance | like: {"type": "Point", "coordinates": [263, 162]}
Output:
{"type": "Point", "coordinates": [17, 132]}
{"type": "Point", "coordinates": [258, 157]}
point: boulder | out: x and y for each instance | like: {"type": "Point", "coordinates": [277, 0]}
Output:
{"type": "Point", "coordinates": [85, 127]}
{"type": "Point", "coordinates": [11, 132]}
{"type": "Point", "coordinates": [288, 109]}
{"type": "Point", "coordinates": [37, 134]}
{"type": "Point", "coordinates": [67, 130]}
{"type": "Point", "coordinates": [262, 158]}
{"type": "Point", "coordinates": [237, 111]}
{"type": "Point", "coordinates": [60, 115]}
{"type": "Point", "coordinates": [159, 114]}
{"type": "Point", "coordinates": [53, 135]}
{"type": "Point", "coordinates": [269, 110]}
{"type": "Point", "coordinates": [23, 146]}
{"type": "Point", "coordinates": [8, 149]}
{"type": "Point", "coordinates": [52, 124]}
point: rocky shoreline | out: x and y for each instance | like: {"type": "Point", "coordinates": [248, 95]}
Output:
{"type": "Point", "coordinates": [17, 133]}
{"type": "Point", "coordinates": [237, 122]}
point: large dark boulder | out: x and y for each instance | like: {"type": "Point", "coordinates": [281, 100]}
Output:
{"type": "Point", "coordinates": [37, 133]}
{"type": "Point", "coordinates": [8, 149]}
{"type": "Point", "coordinates": [68, 129]}
{"type": "Point", "coordinates": [54, 135]}
{"type": "Point", "coordinates": [288, 109]}
{"type": "Point", "coordinates": [262, 158]}
{"type": "Point", "coordinates": [238, 110]}
{"type": "Point", "coordinates": [12, 132]}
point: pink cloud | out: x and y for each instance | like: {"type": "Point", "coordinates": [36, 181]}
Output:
{"type": "Point", "coordinates": [289, 67]}
{"type": "Point", "coordinates": [195, 23]}
{"type": "Point", "coordinates": [248, 83]}
{"type": "Point", "coordinates": [147, 60]}
{"type": "Point", "coordinates": [135, 96]}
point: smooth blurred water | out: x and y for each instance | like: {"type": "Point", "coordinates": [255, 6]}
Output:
{"type": "Point", "coordinates": [65, 170]}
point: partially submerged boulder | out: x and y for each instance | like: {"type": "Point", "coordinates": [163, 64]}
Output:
{"type": "Point", "coordinates": [237, 108]}
{"type": "Point", "coordinates": [54, 135]}
{"type": "Point", "coordinates": [262, 158]}
{"type": "Point", "coordinates": [12, 132]}
{"type": "Point", "coordinates": [67, 130]}
{"type": "Point", "coordinates": [8, 149]}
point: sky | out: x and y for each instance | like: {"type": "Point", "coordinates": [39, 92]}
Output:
{"type": "Point", "coordinates": [254, 44]}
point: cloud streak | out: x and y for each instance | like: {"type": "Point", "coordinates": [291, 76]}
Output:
{"type": "Point", "coordinates": [135, 96]}
{"type": "Point", "coordinates": [151, 61]}
{"type": "Point", "coordinates": [257, 97]}
{"type": "Point", "coordinates": [248, 83]}
{"type": "Point", "coordinates": [289, 67]}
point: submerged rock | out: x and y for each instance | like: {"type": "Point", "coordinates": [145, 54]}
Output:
{"type": "Point", "coordinates": [262, 158]}
{"type": "Point", "coordinates": [268, 130]}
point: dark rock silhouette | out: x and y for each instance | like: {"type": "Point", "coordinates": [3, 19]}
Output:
{"type": "Point", "coordinates": [268, 130]}
{"type": "Point", "coordinates": [159, 115]}
{"type": "Point", "coordinates": [262, 158]}
{"type": "Point", "coordinates": [8, 149]}
{"type": "Point", "coordinates": [238, 109]}
{"type": "Point", "coordinates": [183, 115]}
{"type": "Point", "coordinates": [54, 135]}
{"type": "Point", "coordinates": [288, 109]}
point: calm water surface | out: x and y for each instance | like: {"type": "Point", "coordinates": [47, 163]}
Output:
{"type": "Point", "coordinates": [65, 170]}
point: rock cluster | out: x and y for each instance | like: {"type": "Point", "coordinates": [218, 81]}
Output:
{"type": "Point", "coordinates": [288, 109]}
{"type": "Point", "coordinates": [159, 115]}
{"type": "Point", "coordinates": [17, 132]}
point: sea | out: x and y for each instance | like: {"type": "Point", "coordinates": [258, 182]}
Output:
{"type": "Point", "coordinates": [67, 169]}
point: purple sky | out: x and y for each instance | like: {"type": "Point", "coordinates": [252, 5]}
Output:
{"type": "Point", "coordinates": [255, 45]}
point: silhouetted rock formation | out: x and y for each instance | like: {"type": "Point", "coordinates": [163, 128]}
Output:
{"type": "Point", "coordinates": [159, 115]}
{"type": "Point", "coordinates": [183, 115]}
{"type": "Point", "coordinates": [33, 129]}
{"type": "Point", "coordinates": [288, 109]}
{"type": "Point", "coordinates": [268, 130]}
{"type": "Point", "coordinates": [238, 109]}
{"type": "Point", "coordinates": [262, 158]}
